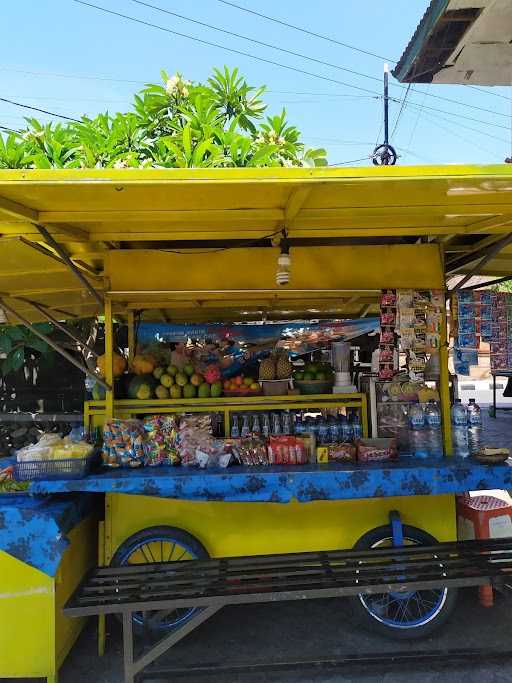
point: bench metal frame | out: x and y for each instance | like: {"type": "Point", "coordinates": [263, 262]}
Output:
{"type": "Point", "coordinates": [212, 584]}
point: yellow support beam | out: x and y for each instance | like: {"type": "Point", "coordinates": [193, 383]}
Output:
{"type": "Point", "coordinates": [18, 211]}
{"type": "Point", "coordinates": [109, 359]}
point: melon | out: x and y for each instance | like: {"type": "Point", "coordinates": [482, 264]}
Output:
{"type": "Point", "coordinates": [189, 391]}
{"type": "Point", "coordinates": [119, 364]}
{"type": "Point", "coordinates": [142, 387]}
{"type": "Point", "coordinates": [204, 390]}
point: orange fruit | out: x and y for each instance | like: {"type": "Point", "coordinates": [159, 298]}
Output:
{"type": "Point", "coordinates": [239, 380]}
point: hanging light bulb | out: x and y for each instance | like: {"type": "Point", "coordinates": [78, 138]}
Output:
{"type": "Point", "coordinates": [284, 262]}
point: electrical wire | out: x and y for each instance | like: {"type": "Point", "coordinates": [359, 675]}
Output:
{"type": "Point", "coordinates": [265, 60]}
{"type": "Point", "coordinates": [301, 55]}
{"type": "Point", "coordinates": [352, 161]}
{"type": "Point", "coordinates": [254, 40]}
{"type": "Point", "coordinates": [473, 130]}
{"type": "Point", "coordinates": [306, 31]}
{"type": "Point", "coordinates": [72, 76]}
{"type": "Point", "coordinates": [433, 122]}
{"type": "Point", "coordinates": [245, 244]}
{"type": "Point", "coordinates": [43, 111]}
{"type": "Point", "coordinates": [397, 120]}
{"type": "Point", "coordinates": [223, 47]}
{"type": "Point", "coordinates": [420, 111]}
{"type": "Point", "coordinates": [10, 130]}
{"type": "Point", "coordinates": [485, 92]}
{"type": "Point", "coordinates": [452, 113]}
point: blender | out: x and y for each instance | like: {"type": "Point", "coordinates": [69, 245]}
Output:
{"type": "Point", "coordinates": [340, 359]}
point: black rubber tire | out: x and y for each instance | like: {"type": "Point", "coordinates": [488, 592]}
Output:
{"type": "Point", "coordinates": [158, 532]}
{"type": "Point", "coordinates": [363, 617]}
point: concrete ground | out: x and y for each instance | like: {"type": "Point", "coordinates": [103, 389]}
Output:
{"type": "Point", "coordinates": [321, 629]}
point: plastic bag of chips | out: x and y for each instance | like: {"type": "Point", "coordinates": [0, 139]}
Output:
{"type": "Point", "coordinates": [123, 443]}
{"type": "Point", "coordinates": [160, 446]}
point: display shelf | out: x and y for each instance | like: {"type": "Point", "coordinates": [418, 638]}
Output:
{"type": "Point", "coordinates": [281, 484]}
{"type": "Point", "coordinates": [94, 411]}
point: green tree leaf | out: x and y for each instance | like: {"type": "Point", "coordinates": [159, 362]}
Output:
{"type": "Point", "coordinates": [14, 361]}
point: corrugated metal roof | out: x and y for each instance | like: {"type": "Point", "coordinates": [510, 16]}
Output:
{"type": "Point", "coordinates": [420, 36]}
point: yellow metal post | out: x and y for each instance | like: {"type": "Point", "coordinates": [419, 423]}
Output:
{"type": "Point", "coordinates": [102, 633]}
{"type": "Point", "coordinates": [364, 416]}
{"type": "Point", "coordinates": [131, 337]}
{"type": "Point", "coordinates": [444, 388]}
{"type": "Point", "coordinates": [109, 356]}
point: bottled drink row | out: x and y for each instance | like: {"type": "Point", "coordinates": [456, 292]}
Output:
{"type": "Point", "coordinates": [466, 428]}
{"type": "Point", "coordinates": [426, 439]}
{"type": "Point", "coordinates": [327, 429]}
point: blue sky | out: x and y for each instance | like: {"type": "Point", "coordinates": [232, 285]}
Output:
{"type": "Point", "coordinates": [62, 37]}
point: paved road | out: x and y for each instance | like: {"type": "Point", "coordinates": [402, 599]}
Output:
{"type": "Point", "coordinates": [321, 628]}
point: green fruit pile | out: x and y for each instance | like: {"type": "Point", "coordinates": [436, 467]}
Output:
{"type": "Point", "coordinates": [171, 382]}
{"type": "Point", "coordinates": [314, 371]}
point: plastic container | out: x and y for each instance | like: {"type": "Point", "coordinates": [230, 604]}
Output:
{"type": "Point", "coordinates": [70, 468]}
{"type": "Point", "coordinates": [275, 387]}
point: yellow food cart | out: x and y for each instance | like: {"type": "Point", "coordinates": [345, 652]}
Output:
{"type": "Point", "coordinates": [198, 245]}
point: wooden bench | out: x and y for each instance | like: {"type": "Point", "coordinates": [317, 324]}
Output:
{"type": "Point", "coordinates": [212, 584]}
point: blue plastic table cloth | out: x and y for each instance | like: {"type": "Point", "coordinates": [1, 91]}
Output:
{"type": "Point", "coordinates": [33, 530]}
{"type": "Point", "coordinates": [280, 484]}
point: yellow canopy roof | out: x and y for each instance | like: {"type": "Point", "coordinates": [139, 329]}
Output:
{"type": "Point", "coordinates": [92, 212]}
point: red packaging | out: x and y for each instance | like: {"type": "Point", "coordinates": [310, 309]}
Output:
{"type": "Point", "coordinates": [376, 450]}
{"type": "Point", "coordinates": [286, 450]}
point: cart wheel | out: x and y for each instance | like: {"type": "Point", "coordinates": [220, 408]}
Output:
{"type": "Point", "coordinates": [402, 615]}
{"type": "Point", "coordinates": [160, 544]}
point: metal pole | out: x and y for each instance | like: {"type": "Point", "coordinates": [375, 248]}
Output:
{"type": "Point", "coordinates": [63, 328]}
{"type": "Point", "coordinates": [386, 105]}
{"type": "Point", "coordinates": [55, 346]}
{"type": "Point", "coordinates": [64, 256]}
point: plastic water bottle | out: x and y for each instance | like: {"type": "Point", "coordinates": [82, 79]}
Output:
{"type": "Point", "coordinates": [348, 436]}
{"type": "Point", "coordinates": [418, 433]}
{"type": "Point", "coordinates": [474, 427]}
{"type": "Point", "coordinates": [433, 426]}
{"type": "Point", "coordinates": [356, 425]}
{"type": "Point", "coordinates": [255, 428]}
{"type": "Point", "coordinates": [323, 432]}
{"type": "Point", "coordinates": [416, 417]}
{"type": "Point", "coordinates": [235, 428]}
{"type": "Point", "coordinates": [460, 429]}
{"type": "Point", "coordinates": [266, 425]}
{"type": "Point", "coordinates": [334, 430]}
{"type": "Point", "coordinates": [459, 413]}
{"type": "Point", "coordinates": [419, 443]}
{"type": "Point", "coordinates": [246, 430]}
{"type": "Point", "coordinates": [474, 414]}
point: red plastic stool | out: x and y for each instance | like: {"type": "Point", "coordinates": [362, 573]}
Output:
{"type": "Point", "coordinates": [483, 517]}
